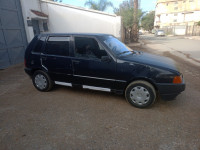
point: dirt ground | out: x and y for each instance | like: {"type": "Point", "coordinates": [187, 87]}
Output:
{"type": "Point", "coordinates": [70, 118]}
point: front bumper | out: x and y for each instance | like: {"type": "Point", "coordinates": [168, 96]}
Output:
{"type": "Point", "coordinates": [170, 91]}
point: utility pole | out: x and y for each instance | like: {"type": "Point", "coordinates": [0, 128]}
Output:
{"type": "Point", "coordinates": [135, 29]}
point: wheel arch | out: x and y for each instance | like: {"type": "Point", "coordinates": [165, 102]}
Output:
{"type": "Point", "coordinates": [144, 79]}
{"type": "Point", "coordinates": [37, 69]}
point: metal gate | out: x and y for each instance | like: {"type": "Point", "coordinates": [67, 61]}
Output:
{"type": "Point", "coordinates": [12, 33]}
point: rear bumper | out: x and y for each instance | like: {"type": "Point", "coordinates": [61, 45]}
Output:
{"type": "Point", "coordinates": [170, 91]}
{"type": "Point", "coordinates": [28, 71]}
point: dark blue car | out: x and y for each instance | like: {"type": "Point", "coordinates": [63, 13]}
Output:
{"type": "Point", "coordinates": [101, 62]}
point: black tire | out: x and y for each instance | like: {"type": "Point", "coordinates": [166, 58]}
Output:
{"type": "Point", "coordinates": [146, 93]}
{"type": "Point", "coordinates": [48, 84]}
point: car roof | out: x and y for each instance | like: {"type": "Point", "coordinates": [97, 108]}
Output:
{"type": "Point", "coordinates": [75, 34]}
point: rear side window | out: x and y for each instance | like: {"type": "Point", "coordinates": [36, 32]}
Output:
{"type": "Point", "coordinates": [58, 46]}
{"type": "Point", "coordinates": [39, 45]}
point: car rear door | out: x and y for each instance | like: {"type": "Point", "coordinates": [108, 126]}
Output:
{"type": "Point", "coordinates": [56, 60]}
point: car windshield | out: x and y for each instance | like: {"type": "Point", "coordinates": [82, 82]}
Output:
{"type": "Point", "coordinates": [116, 46]}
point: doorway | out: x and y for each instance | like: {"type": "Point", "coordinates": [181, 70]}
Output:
{"type": "Point", "coordinates": [36, 28]}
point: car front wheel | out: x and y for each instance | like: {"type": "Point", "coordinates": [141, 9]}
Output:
{"type": "Point", "coordinates": [140, 94]}
{"type": "Point", "coordinates": [42, 81]}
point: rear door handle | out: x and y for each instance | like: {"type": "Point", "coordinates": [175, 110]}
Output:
{"type": "Point", "coordinates": [76, 61]}
{"type": "Point", "coordinates": [44, 58]}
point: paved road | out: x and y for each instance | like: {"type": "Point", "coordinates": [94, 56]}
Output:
{"type": "Point", "coordinates": [191, 48]}
{"type": "Point", "coordinates": [68, 118]}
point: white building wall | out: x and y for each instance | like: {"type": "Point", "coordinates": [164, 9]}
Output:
{"type": "Point", "coordinates": [161, 8]}
{"type": "Point", "coordinates": [196, 15]}
{"type": "Point", "coordinates": [27, 5]}
{"type": "Point", "coordinates": [163, 18]}
{"type": "Point", "coordinates": [67, 19]}
{"type": "Point", "coordinates": [180, 17]}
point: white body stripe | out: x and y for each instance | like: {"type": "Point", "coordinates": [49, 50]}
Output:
{"type": "Point", "coordinates": [63, 83]}
{"type": "Point", "coordinates": [85, 86]}
{"type": "Point", "coordinates": [96, 88]}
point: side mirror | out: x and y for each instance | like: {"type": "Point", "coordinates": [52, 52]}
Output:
{"type": "Point", "coordinates": [105, 59]}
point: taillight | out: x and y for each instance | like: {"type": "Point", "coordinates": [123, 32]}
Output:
{"type": "Point", "coordinates": [25, 62]}
{"type": "Point", "coordinates": [177, 80]}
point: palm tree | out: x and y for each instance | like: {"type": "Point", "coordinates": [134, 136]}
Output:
{"type": "Point", "coordinates": [56, 0]}
{"type": "Point", "coordinates": [101, 5]}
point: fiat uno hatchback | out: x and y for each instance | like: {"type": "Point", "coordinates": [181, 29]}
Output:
{"type": "Point", "coordinates": [101, 62]}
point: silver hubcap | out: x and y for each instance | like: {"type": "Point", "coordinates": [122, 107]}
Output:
{"type": "Point", "coordinates": [40, 81]}
{"type": "Point", "coordinates": [139, 95]}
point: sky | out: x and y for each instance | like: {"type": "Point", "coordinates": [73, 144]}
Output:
{"type": "Point", "coordinates": [146, 5]}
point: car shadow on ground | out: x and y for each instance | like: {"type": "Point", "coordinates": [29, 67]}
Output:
{"type": "Point", "coordinates": [85, 93]}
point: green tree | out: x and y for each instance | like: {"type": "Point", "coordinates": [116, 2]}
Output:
{"type": "Point", "coordinates": [126, 10]}
{"type": "Point", "coordinates": [198, 23]}
{"type": "Point", "coordinates": [101, 5]}
{"type": "Point", "coordinates": [147, 21]}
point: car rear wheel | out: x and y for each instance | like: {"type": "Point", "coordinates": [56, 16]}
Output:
{"type": "Point", "coordinates": [140, 94]}
{"type": "Point", "coordinates": [42, 81]}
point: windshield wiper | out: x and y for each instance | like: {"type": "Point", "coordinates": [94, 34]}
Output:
{"type": "Point", "coordinates": [123, 52]}
{"type": "Point", "coordinates": [133, 52]}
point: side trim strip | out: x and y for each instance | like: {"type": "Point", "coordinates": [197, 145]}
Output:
{"type": "Point", "coordinates": [96, 88]}
{"type": "Point", "coordinates": [99, 78]}
{"type": "Point", "coordinates": [85, 86]}
{"type": "Point", "coordinates": [63, 83]}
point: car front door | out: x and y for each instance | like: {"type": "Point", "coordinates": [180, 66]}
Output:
{"type": "Point", "coordinates": [56, 59]}
{"type": "Point", "coordinates": [92, 66]}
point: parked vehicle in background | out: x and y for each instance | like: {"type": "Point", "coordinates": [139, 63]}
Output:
{"type": "Point", "coordinates": [160, 33]}
{"type": "Point", "coordinates": [101, 62]}
{"type": "Point", "coordinates": [153, 31]}
{"type": "Point", "coordinates": [140, 33]}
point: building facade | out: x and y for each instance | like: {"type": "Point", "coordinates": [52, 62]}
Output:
{"type": "Point", "coordinates": [177, 13]}
{"type": "Point", "coordinates": [42, 16]}
{"type": "Point", "coordinates": [21, 20]}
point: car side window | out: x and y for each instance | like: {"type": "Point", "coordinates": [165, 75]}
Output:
{"type": "Point", "coordinates": [39, 45]}
{"type": "Point", "coordinates": [86, 47]}
{"type": "Point", "coordinates": [58, 46]}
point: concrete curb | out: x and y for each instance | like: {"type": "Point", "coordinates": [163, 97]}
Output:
{"type": "Point", "coordinates": [192, 37]}
{"type": "Point", "coordinates": [175, 53]}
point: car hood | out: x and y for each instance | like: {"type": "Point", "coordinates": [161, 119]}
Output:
{"type": "Point", "coordinates": [150, 59]}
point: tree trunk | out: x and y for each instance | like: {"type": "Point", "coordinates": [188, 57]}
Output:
{"type": "Point", "coordinates": [135, 23]}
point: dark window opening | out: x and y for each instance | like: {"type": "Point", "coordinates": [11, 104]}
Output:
{"type": "Point", "coordinates": [45, 27]}
{"type": "Point", "coordinates": [88, 48]}
{"type": "Point", "coordinates": [58, 46]}
{"type": "Point", "coordinates": [175, 8]}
